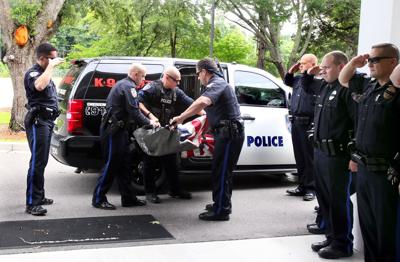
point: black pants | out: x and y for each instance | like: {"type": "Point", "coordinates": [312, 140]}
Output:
{"type": "Point", "coordinates": [378, 209]}
{"type": "Point", "coordinates": [303, 153]}
{"type": "Point", "coordinates": [167, 164]}
{"type": "Point", "coordinates": [118, 164]}
{"type": "Point", "coordinates": [39, 136]}
{"type": "Point", "coordinates": [225, 157]}
{"type": "Point", "coordinates": [333, 182]}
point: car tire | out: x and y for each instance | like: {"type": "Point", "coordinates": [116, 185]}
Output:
{"type": "Point", "coordinates": [138, 179]}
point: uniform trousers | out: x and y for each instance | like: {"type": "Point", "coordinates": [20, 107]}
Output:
{"type": "Point", "coordinates": [333, 183]}
{"type": "Point", "coordinates": [303, 154]}
{"type": "Point", "coordinates": [39, 137]}
{"type": "Point", "coordinates": [378, 209]}
{"type": "Point", "coordinates": [118, 164]}
{"type": "Point", "coordinates": [168, 165]}
{"type": "Point", "coordinates": [225, 157]}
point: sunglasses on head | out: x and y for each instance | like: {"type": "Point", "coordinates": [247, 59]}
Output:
{"type": "Point", "coordinates": [377, 59]}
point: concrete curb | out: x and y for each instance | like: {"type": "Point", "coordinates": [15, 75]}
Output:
{"type": "Point", "coordinates": [14, 146]}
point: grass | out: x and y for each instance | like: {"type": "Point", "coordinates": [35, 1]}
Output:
{"type": "Point", "coordinates": [5, 118]}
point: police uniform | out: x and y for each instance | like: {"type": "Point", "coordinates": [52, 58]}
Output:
{"type": "Point", "coordinates": [122, 111]}
{"type": "Point", "coordinates": [302, 110]}
{"type": "Point", "coordinates": [164, 104]}
{"type": "Point", "coordinates": [224, 119]}
{"type": "Point", "coordinates": [333, 122]}
{"type": "Point", "coordinates": [377, 142]}
{"type": "Point", "coordinates": [39, 123]}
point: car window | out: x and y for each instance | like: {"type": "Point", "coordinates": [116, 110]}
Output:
{"type": "Point", "coordinates": [255, 89]}
{"type": "Point", "coordinates": [106, 76]}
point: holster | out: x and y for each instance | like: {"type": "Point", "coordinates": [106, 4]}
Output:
{"type": "Point", "coordinates": [112, 124]}
{"type": "Point", "coordinates": [229, 129]}
{"type": "Point", "coordinates": [32, 114]}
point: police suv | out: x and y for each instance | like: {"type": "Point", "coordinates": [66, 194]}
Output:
{"type": "Point", "coordinates": [263, 103]}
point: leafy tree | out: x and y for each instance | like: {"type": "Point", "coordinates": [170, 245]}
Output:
{"type": "Point", "coordinates": [42, 19]}
{"type": "Point", "coordinates": [265, 18]}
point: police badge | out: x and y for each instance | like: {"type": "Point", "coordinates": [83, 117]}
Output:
{"type": "Point", "coordinates": [133, 92]}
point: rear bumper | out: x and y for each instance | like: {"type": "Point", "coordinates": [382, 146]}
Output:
{"type": "Point", "coordinates": [77, 151]}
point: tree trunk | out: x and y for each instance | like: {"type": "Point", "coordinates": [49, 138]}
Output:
{"type": "Point", "coordinates": [261, 49]}
{"type": "Point", "coordinates": [18, 66]}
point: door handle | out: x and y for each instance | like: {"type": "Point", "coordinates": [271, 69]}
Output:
{"type": "Point", "coordinates": [248, 117]}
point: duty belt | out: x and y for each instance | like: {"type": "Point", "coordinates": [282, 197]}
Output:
{"type": "Point", "coordinates": [301, 120]}
{"type": "Point", "coordinates": [373, 164]}
{"type": "Point", "coordinates": [330, 147]}
{"type": "Point", "coordinates": [229, 128]}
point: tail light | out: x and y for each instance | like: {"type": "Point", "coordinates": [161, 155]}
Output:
{"type": "Point", "coordinates": [75, 116]}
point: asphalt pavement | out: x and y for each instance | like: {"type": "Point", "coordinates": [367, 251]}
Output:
{"type": "Point", "coordinates": [266, 225]}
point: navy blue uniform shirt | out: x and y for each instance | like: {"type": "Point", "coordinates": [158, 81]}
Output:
{"type": "Point", "coordinates": [47, 97]}
{"type": "Point", "coordinates": [301, 102]}
{"type": "Point", "coordinates": [149, 96]}
{"type": "Point", "coordinates": [334, 110]}
{"type": "Point", "coordinates": [378, 118]}
{"type": "Point", "coordinates": [224, 102]}
{"type": "Point", "coordinates": [122, 101]}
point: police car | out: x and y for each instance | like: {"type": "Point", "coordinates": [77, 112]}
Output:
{"type": "Point", "coordinates": [263, 103]}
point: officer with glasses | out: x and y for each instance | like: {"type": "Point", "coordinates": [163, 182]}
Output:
{"type": "Point", "coordinates": [39, 122]}
{"type": "Point", "coordinates": [377, 149]}
{"type": "Point", "coordinates": [160, 101]}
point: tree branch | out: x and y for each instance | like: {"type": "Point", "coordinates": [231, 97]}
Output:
{"type": "Point", "coordinates": [49, 13]}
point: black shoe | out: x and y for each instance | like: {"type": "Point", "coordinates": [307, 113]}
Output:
{"type": "Point", "coordinates": [211, 216]}
{"type": "Point", "coordinates": [315, 229]}
{"type": "Point", "coordinates": [153, 198]}
{"type": "Point", "coordinates": [104, 205]}
{"type": "Point", "coordinates": [317, 246]}
{"type": "Point", "coordinates": [298, 191]}
{"type": "Point", "coordinates": [36, 210]}
{"type": "Point", "coordinates": [330, 252]}
{"type": "Point", "coordinates": [133, 203]}
{"type": "Point", "coordinates": [210, 208]}
{"type": "Point", "coordinates": [309, 196]}
{"type": "Point", "coordinates": [46, 201]}
{"type": "Point", "coordinates": [181, 195]}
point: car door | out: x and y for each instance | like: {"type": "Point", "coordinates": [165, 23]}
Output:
{"type": "Point", "coordinates": [264, 110]}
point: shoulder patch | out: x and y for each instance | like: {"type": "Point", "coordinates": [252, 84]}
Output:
{"type": "Point", "coordinates": [133, 92]}
{"type": "Point", "coordinates": [33, 74]}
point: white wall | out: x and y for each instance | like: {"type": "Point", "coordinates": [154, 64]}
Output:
{"type": "Point", "coordinates": [379, 23]}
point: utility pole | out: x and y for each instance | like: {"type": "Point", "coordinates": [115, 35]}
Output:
{"type": "Point", "coordinates": [212, 28]}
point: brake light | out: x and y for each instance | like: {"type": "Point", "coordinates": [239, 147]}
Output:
{"type": "Point", "coordinates": [75, 116]}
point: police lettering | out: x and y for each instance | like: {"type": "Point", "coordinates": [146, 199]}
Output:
{"type": "Point", "coordinates": [265, 141]}
{"type": "Point", "coordinates": [166, 101]}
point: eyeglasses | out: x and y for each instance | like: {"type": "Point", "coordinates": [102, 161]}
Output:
{"type": "Point", "coordinates": [198, 73]}
{"type": "Point", "coordinates": [377, 59]}
{"type": "Point", "coordinates": [174, 79]}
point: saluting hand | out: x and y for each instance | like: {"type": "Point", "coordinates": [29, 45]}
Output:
{"type": "Point", "coordinates": [294, 68]}
{"type": "Point", "coordinates": [314, 70]}
{"type": "Point", "coordinates": [359, 61]}
{"type": "Point", "coordinates": [56, 61]}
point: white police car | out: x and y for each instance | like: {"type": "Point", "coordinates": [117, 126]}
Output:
{"type": "Point", "coordinates": [263, 103]}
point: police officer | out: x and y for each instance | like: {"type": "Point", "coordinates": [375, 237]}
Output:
{"type": "Point", "coordinates": [161, 100]}
{"type": "Point", "coordinates": [302, 111]}
{"type": "Point", "coordinates": [333, 120]}
{"type": "Point", "coordinates": [39, 122]}
{"type": "Point", "coordinates": [223, 113]}
{"type": "Point", "coordinates": [122, 111]}
{"type": "Point", "coordinates": [377, 148]}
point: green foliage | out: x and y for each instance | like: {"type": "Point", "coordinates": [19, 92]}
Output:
{"type": "Point", "coordinates": [24, 12]}
{"type": "Point", "coordinates": [233, 46]}
{"type": "Point", "coordinates": [4, 72]}
{"type": "Point", "coordinates": [4, 117]}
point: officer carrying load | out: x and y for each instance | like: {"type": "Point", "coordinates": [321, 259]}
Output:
{"type": "Point", "coordinates": [122, 111]}
{"type": "Point", "coordinates": [377, 149]}
{"type": "Point", "coordinates": [161, 100]}
{"type": "Point", "coordinates": [223, 113]}
{"type": "Point", "coordinates": [39, 123]}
